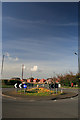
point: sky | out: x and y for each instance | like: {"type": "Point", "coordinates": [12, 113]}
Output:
{"type": "Point", "coordinates": [43, 36]}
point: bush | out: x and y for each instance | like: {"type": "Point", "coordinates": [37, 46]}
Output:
{"type": "Point", "coordinates": [67, 79]}
{"type": "Point", "coordinates": [11, 82]}
{"type": "Point", "coordinates": [5, 82]}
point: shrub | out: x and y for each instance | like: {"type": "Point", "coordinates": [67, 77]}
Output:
{"type": "Point", "coordinates": [11, 82]}
{"type": "Point", "coordinates": [67, 79]}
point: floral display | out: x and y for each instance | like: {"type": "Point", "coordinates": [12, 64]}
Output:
{"type": "Point", "coordinates": [40, 92]}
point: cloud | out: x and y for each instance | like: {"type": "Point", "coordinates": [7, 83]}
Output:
{"type": "Point", "coordinates": [16, 59]}
{"type": "Point", "coordinates": [7, 54]}
{"type": "Point", "coordinates": [11, 58]}
{"type": "Point", "coordinates": [23, 22]}
{"type": "Point", "coordinates": [64, 24]}
{"type": "Point", "coordinates": [35, 68]}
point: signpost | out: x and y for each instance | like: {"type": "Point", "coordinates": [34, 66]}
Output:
{"type": "Point", "coordinates": [25, 86]}
{"type": "Point", "coordinates": [56, 86]}
{"type": "Point", "coordinates": [16, 86]}
{"type": "Point", "coordinates": [20, 86]}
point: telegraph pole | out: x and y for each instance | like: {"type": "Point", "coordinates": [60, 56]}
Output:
{"type": "Point", "coordinates": [2, 64]}
{"type": "Point", "coordinates": [22, 71]}
{"type": "Point", "coordinates": [78, 62]}
{"type": "Point", "coordinates": [23, 67]}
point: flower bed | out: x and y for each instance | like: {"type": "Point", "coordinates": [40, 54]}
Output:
{"type": "Point", "coordinates": [39, 92]}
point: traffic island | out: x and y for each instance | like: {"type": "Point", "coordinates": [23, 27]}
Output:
{"type": "Point", "coordinates": [39, 94]}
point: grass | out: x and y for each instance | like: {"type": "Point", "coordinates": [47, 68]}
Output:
{"type": "Point", "coordinates": [70, 87]}
{"type": "Point", "coordinates": [7, 86]}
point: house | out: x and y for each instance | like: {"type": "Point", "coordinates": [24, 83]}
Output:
{"type": "Point", "coordinates": [49, 80]}
{"type": "Point", "coordinates": [25, 80]}
{"type": "Point", "coordinates": [58, 80]}
{"type": "Point", "coordinates": [42, 80]}
{"type": "Point", "coordinates": [36, 80]}
{"type": "Point", "coordinates": [30, 80]}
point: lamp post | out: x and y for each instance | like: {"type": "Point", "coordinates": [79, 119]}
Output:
{"type": "Point", "coordinates": [31, 74]}
{"type": "Point", "coordinates": [23, 67]}
{"type": "Point", "coordinates": [2, 64]}
{"type": "Point", "coordinates": [53, 74]}
{"type": "Point", "coordinates": [78, 62]}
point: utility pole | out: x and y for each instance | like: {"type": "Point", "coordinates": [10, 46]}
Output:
{"type": "Point", "coordinates": [78, 61]}
{"type": "Point", "coordinates": [31, 74]}
{"type": "Point", "coordinates": [23, 67]}
{"type": "Point", "coordinates": [53, 74]}
{"type": "Point", "coordinates": [2, 64]}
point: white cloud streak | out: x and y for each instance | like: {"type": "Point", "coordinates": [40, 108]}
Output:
{"type": "Point", "coordinates": [35, 68]}
{"type": "Point", "coordinates": [11, 58]}
{"type": "Point", "coordinates": [22, 22]}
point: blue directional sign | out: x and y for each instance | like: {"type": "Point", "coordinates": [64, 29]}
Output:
{"type": "Point", "coordinates": [24, 86]}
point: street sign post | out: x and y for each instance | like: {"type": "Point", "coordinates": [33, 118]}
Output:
{"type": "Point", "coordinates": [56, 86]}
{"type": "Point", "coordinates": [24, 86]}
{"type": "Point", "coordinates": [16, 86]}
{"type": "Point", "coordinates": [20, 86]}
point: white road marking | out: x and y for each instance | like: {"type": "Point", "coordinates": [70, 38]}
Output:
{"type": "Point", "coordinates": [8, 96]}
{"type": "Point", "coordinates": [71, 98]}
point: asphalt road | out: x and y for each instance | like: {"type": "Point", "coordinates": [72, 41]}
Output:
{"type": "Point", "coordinates": [64, 89]}
{"type": "Point", "coordinates": [65, 108]}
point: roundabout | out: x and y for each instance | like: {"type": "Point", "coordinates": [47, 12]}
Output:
{"type": "Point", "coordinates": [39, 94]}
{"type": "Point", "coordinates": [22, 106]}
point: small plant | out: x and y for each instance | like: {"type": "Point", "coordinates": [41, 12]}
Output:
{"type": "Point", "coordinates": [62, 93]}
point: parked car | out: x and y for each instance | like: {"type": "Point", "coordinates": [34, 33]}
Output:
{"type": "Point", "coordinates": [15, 78]}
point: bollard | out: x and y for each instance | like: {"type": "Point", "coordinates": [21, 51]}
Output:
{"type": "Point", "coordinates": [37, 86]}
{"type": "Point", "coordinates": [24, 90]}
{"type": "Point", "coordinates": [16, 90]}
{"type": "Point", "coordinates": [56, 90]}
{"type": "Point", "coordinates": [61, 91]}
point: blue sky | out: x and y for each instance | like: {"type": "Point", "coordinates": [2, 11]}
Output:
{"type": "Point", "coordinates": [39, 34]}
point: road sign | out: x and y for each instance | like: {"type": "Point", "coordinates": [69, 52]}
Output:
{"type": "Point", "coordinates": [16, 85]}
{"type": "Point", "coordinates": [24, 86]}
{"type": "Point", "coordinates": [52, 85]}
{"type": "Point", "coordinates": [20, 85]}
{"type": "Point", "coordinates": [56, 85]}
{"type": "Point", "coordinates": [59, 85]}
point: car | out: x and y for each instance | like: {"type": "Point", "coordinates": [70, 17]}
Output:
{"type": "Point", "coordinates": [15, 78]}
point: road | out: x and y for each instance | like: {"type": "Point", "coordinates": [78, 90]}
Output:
{"type": "Point", "coordinates": [15, 108]}
{"type": "Point", "coordinates": [64, 89]}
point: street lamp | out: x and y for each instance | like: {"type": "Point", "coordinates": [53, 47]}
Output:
{"type": "Point", "coordinates": [53, 74]}
{"type": "Point", "coordinates": [2, 64]}
{"type": "Point", "coordinates": [23, 67]}
{"type": "Point", "coordinates": [31, 74]}
{"type": "Point", "coordinates": [78, 62]}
